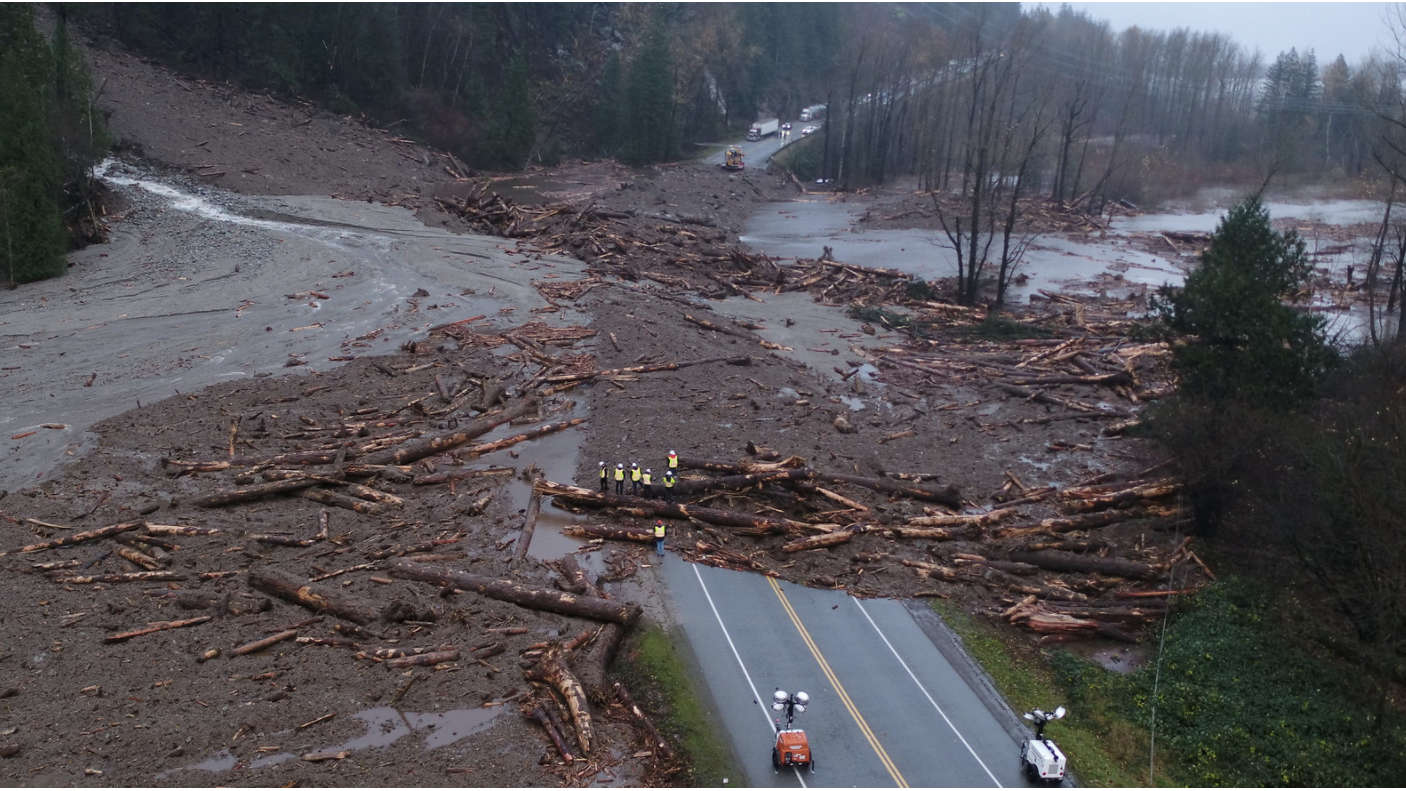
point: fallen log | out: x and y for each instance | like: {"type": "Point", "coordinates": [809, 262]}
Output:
{"type": "Point", "coordinates": [256, 491]}
{"type": "Point", "coordinates": [76, 538]}
{"type": "Point", "coordinates": [639, 506]}
{"type": "Point", "coordinates": [503, 590]}
{"type": "Point", "coordinates": [819, 541]}
{"type": "Point", "coordinates": [343, 501]}
{"type": "Point", "coordinates": [1053, 560]}
{"type": "Point", "coordinates": [373, 495]}
{"type": "Point", "coordinates": [611, 533]}
{"type": "Point", "coordinates": [135, 576]}
{"type": "Point", "coordinates": [507, 442]}
{"type": "Point", "coordinates": [283, 541]}
{"type": "Point", "coordinates": [420, 660]}
{"type": "Point", "coordinates": [1065, 524]}
{"type": "Point", "coordinates": [529, 522]}
{"type": "Point", "coordinates": [259, 645]}
{"type": "Point", "coordinates": [459, 475]}
{"type": "Point", "coordinates": [329, 600]}
{"type": "Point", "coordinates": [1153, 594]}
{"type": "Point", "coordinates": [139, 558]}
{"type": "Point", "coordinates": [696, 485]}
{"type": "Point", "coordinates": [657, 743]}
{"type": "Point", "coordinates": [935, 533]}
{"type": "Point", "coordinates": [157, 626]}
{"type": "Point", "coordinates": [642, 369]}
{"type": "Point", "coordinates": [430, 446]}
{"type": "Point", "coordinates": [181, 530]}
{"type": "Point", "coordinates": [743, 467]}
{"type": "Point", "coordinates": [1111, 380]}
{"type": "Point", "coordinates": [948, 495]}
{"type": "Point", "coordinates": [938, 520]}
{"type": "Point", "coordinates": [1125, 497]}
{"type": "Point", "coordinates": [934, 571]}
{"type": "Point", "coordinates": [539, 716]}
{"type": "Point", "coordinates": [552, 670]}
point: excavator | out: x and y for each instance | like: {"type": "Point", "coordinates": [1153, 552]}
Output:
{"type": "Point", "coordinates": [792, 747]}
{"type": "Point", "coordinates": [732, 160]}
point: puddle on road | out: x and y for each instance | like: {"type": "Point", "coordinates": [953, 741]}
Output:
{"type": "Point", "coordinates": [384, 726]}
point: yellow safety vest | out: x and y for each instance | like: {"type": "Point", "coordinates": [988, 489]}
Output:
{"type": "Point", "coordinates": [634, 473]}
{"type": "Point", "coordinates": [602, 473]}
{"type": "Point", "coordinates": [658, 531]}
{"type": "Point", "coordinates": [619, 473]}
{"type": "Point", "coordinates": [668, 481]}
{"type": "Point", "coordinates": [673, 462]}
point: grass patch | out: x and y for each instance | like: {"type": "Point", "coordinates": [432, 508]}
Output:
{"type": "Point", "coordinates": [654, 669]}
{"type": "Point", "coordinates": [1103, 748]}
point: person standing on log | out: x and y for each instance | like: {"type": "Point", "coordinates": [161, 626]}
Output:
{"type": "Point", "coordinates": [635, 478]}
{"type": "Point", "coordinates": [648, 480]}
{"type": "Point", "coordinates": [673, 460]}
{"type": "Point", "coordinates": [659, 537]}
{"type": "Point", "coordinates": [668, 486]}
{"type": "Point", "coordinates": [603, 485]}
{"type": "Point", "coordinates": [620, 478]}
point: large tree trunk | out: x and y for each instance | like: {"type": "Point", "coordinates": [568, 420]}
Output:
{"type": "Point", "coordinates": [639, 506]}
{"type": "Point", "coordinates": [318, 599]}
{"type": "Point", "coordinates": [611, 533]}
{"type": "Point", "coordinates": [552, 670]}
{"type": "Point", "coordinates": [1054, 560]}
{"type": "Point", "coordinates": [503, 590]}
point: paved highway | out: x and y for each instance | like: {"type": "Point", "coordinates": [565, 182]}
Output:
{"type": "Point", "coordinates": [756, 154]}
{"type": "Point", "coordinates": [887, 708]}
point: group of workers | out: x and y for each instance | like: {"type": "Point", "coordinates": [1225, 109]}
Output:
{"type": "Point", "coordinates": [641, 480]}
{"type": "Point", "coordinates": [642, 484]}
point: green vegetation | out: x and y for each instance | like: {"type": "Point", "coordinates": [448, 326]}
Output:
{"type": "Point", "coordinates": [1104, 748]}
{"type": "Point", "coordinates": [998, 327]}
{"type": "Point", "coordinates": [881, 316]}
{"type": "Point", "coordinates": [50, 137]}
{"type": "Point", "coordinates": [652, 667]}
{"type": "Point", "coordinates": [1236, 703]}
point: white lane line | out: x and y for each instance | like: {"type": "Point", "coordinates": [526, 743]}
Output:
{"type": "Point", "coordinates": [755, 697]}
{"type": "Point", "coordinates": [909, 670]}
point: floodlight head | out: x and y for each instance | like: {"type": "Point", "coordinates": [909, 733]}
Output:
{"type": "Point", "coordinates": [779, 696]}
{"type": "Point", "coordinates": [1059, 713]}
{"type": "Point", "coordinates": [802, 698]}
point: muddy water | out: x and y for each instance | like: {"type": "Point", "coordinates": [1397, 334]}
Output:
{"type": "Point", "coordinates": [384, 726]}
{"type": "Point", "coordinates": [194, 289]}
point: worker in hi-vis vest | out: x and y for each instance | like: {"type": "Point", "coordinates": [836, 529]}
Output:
{"type": "Point", "coordinates": [673, 460]}
{"type": "Point", "coordinates": [659, 537]}
{"type": "Point", "coordinates": [634, 478]}
{"type": "Point", "coordinates": [603, 485]}
{"type": "Point", "coordinates": [668, 486]}
{"type": "Point", "coordinates": [620, 478]}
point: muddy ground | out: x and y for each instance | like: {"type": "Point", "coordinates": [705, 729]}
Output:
{"type": "Point", "coordinates": [148, 711]}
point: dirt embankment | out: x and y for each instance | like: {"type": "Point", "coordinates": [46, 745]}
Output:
{"type": "Point", "coordinates": [150, 709]}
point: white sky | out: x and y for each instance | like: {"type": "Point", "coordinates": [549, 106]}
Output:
{"type": "Point", "coordinates": [1329, 29]}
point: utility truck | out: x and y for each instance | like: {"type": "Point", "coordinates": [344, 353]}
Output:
{"type": "Point", "coordinates": [815, 112]}
{"type": "Point", "coordinates": [763, 129]}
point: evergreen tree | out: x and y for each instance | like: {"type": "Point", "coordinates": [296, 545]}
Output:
{"type": "Point", "coordinates": [1242, 342]}
{"type": "Point", "coordinates": [514, 134]}
{"type": "Point", "coordinates": [650, 101]}
{"type": "Point", "coordinates": [32, 242]}
{"type": "Point", "coordinates": [610, 109]}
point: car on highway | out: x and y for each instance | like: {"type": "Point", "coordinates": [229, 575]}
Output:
{"type": "Point", "coordinates": [786, 127]}
{"type": "Point", "coordinates": [809, 130]}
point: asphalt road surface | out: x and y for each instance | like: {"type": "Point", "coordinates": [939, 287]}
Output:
{"type": "Point", "coordinates": [887, 708]}
{"type": "Point", "coordinates": [756, 154]}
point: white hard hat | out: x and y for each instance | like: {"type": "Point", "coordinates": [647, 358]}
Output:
{"type": "Point", "coordinates": [646, 469]}
{"type": "Point", "coordinates": [620, 466]}
{"type": "Point", "coordinates": [634, 464]}
{"type": "Point", "coordinates": [602, 464]}
{"type": "Point", "coordinates": [671, 453]}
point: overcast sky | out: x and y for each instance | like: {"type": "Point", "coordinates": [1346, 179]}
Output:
{"type": "Point", "coordinates": [1329, 29]}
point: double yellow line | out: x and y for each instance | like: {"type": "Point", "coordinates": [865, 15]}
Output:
{"type": "Point", "coordinates": [839, 688]}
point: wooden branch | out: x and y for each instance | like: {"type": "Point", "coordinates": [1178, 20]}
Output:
{"type": "Point", "coordinates": [967, 531]}
{"type": "Point", "coordinates": [420, 660]}
{"type": "Point", "coordinates": [988, 518]}
{"type": "Point", "coordinates": [552, 669]}
{"type": "Point", "coordinates": [342, 501]}
{"type": "Point", "coordinates": [259, 645]}
{"type": "Point", "coordinates": [641, 369]}
{"type": "Point", "coordinates": [1066, 524]}
{"type": "Point", "coordinates": [136, 576]}
{"type": "Point", "coordinates": [157, 626]}
{"type": "Point", "coordinates": [657, 743]}
{"type": "Point", "coordinates": [76, 538]}
{"type": "Point", "coordinates": [1053, 560]}
{"type": "Point", "coordinates": [430, 446]}
{"type": "Point", "coordinates": [819, 542]}
{"type": "Point", "coordinates": [540, 717]}
{"type": "Point", "coordinates": [529, 522]}
{"type": "Point", "coordinates": [257, 490]}
{"type": "Point", "coordinates": [503, 590]}
{"type": "Point", "coordinates": [540, 431]}
{"type": "Point", "coordinates": [459, 475]}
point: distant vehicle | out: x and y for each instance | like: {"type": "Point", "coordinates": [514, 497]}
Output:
{"type": "Point", "coordinates": [786, 127]}
{"type": "Point", "coordinates": [809, 130]}
{"type": "Point", "coordinates": [763, 129]}
{"type": "Point", "coordinates": [815, 112]}
{"type": "Point", "coordinates": [732, 160]}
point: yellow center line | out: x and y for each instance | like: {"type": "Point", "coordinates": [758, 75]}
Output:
{"type": "Point", "coordinates": [839, 688]}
